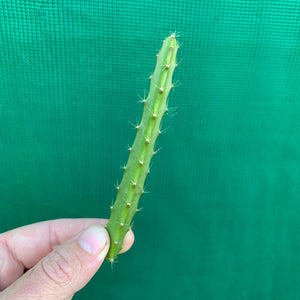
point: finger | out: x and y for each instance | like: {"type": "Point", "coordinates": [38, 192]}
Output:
{"type": "Point", "coordinates": [23, 247]}
{"type": "Point", "coordinates": [65, 270]}
{"type": "Point", "coordinates": [128, 241]}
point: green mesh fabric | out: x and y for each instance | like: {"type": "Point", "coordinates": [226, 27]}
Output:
{"type": "Point", "coordinates": [222, 219]}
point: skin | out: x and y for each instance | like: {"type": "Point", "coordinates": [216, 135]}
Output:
{"type": "Point", "coordinates": [45, 260]}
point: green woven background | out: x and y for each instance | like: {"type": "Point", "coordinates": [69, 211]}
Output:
{"type": "Point", "coordinates": [222, 220]}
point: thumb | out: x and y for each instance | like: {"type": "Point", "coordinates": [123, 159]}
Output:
{"type": "Point", "coordinates": [65, 270]}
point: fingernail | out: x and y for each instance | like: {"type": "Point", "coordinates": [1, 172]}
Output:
{"type": "Point", "coordinates": [93, 240]}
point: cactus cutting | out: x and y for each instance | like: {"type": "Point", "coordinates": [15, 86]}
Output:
{"type": "Point", "coordinates": [142, 150]}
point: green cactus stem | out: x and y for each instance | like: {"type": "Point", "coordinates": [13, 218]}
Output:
{"type": "Point", "coordinates": [142, 150]}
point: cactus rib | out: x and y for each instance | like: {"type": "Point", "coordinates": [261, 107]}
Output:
{"type": "Point", "coordinates": [142, 150]}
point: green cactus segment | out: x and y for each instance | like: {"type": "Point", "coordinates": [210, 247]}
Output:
{"type": "Point", "coordinates": [142, 150]}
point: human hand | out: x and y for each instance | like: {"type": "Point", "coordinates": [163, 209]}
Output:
{"type": "Point", "coordinates": [52, 259]}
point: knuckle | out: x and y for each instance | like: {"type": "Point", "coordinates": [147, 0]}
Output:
{"type": "Point", "coordinates": [60, 269]}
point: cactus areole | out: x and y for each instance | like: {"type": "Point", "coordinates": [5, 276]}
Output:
{"type": "Point", "coordinates": [142, 150]}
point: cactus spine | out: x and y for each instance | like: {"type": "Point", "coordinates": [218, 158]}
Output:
{"type": "Point", "coordinates": [142, 150]}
